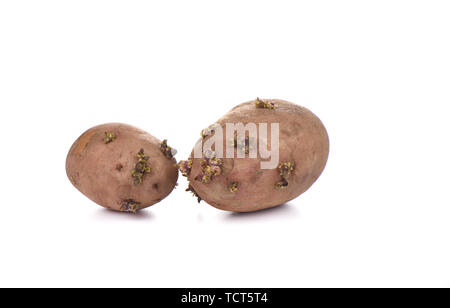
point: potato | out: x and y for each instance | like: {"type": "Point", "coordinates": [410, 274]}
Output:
{"type": "Point", "coordinates": [242, 184]}
{"type": "Point", "coordinates": [121, 167]}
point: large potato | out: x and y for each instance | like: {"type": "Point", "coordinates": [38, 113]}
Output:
{"type": "Point", "coordinates": [121, 167]}
{"type": "Point", "coordinates": [240, 184]}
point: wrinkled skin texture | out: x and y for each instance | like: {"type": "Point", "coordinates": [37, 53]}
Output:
{"type": "Point", "coordinates": [303, 141]}
{"type": "Point", "coordinates": [102, 171]}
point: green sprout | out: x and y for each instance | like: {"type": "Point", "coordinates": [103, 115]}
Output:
{"type": "Point", "coordinates": [194, 193]}
{"type": "Point", "coordinates": [185, 166]}
{"type": "Point", "coordinates": [109, 137]}
{"type": "Point", "coordinates": [131, 206]}
{"type": "Point", "coordinates": [211, 167]}
{"type": "Point", "coordinates": [285, 170]}
{"type": "Point", "coordinates": [259, 103]}
{"type": "Point", "coordinates": [141, 168]}
{"type": "Point", "coordinates": [168, 151]}
{"type": "Point", "coordinates": [233, 187]}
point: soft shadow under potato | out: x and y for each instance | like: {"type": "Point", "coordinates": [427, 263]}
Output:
{"type": "Point", "coordinates": [107, 214]}
{"type": "Point", "coordinates": [283, 211]}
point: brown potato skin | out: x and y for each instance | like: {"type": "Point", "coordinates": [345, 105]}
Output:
{"type": "Point", "coordinates": [303, 141]}
{"type": "Point", "coordinates": [102, 171]}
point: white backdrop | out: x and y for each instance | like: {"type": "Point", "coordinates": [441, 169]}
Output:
{"type": "Point", "coordinates": [377, 73]}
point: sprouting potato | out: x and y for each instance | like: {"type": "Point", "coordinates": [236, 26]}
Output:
{"type": "Point", "coordinates": [241, 184]}
{"type": "Point", "coordinates": [121, 167]}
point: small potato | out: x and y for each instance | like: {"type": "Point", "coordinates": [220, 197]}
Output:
{"type": "Point", "coordinates": [121, 167]}
{"type": "Point", "coordinates": [241, 184]}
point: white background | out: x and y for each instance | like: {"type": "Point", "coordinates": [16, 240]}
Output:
{"type": "Point", "coordinates": [377, 73]}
